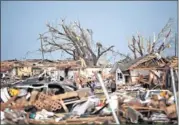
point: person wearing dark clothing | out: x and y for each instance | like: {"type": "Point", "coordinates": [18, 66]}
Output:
{"type": "Point", "coordinates": [74, 83]}
{"type": "Point", "coordinates": [66, 71]}
{"type": "Point", "coordinates": [89, 84]}
{"type": "Point", "coordinates": [113, 86]}
{"type": "Point", "coordinates": [167, 76]}
{"type": "Point", "coordinates": [176, 80]}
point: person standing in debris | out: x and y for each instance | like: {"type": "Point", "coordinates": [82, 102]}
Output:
{"type": "Point", "coordinates": [167, 80]}
{"type": "Point", "coordinates": [66, 71]}
{"type": "Point", "coordinates": [93, 84]}
{"type": "Point", "coordinates": [74, 83]}
{"type": "Point", "coordinates": [89, 84]}
{"type": "Point", "coordinates": [113, 86]}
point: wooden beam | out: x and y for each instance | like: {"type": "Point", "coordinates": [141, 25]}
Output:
{"type": "Point", "coordinates": [150, 68]}
{"type": "Point", "coordinates": [73, 121]}
{"type": "Point", "coordinates": [143, 81]}
{"type": "Point", "coordinates": [65, 95]}
{"type": "Point", "coordinates": [154, 74]}
{"type": "Point", "coordinates": [143, 108]}
{"type": "Point", "coordinates": [91, 119]}
{"type": "Point", "coordinates": [64, 106]}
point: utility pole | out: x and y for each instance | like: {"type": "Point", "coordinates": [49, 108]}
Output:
{"type": "Point", "coordinates": [174, 90]}
{"type": "Point", "coordinates": [108, 99]}
{"type": "Point", "coordinates": [42, 47]}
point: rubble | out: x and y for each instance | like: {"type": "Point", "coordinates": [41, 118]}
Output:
{"type": "Point", "coordinates": [40, 100]}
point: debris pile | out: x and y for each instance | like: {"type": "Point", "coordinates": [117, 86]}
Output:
{"type": "Point", "coordinates": [157, 107]}
{"type": "Point", "coordinates": [95, 97]}
{"type": "Point", "coordinates": [39, 107]}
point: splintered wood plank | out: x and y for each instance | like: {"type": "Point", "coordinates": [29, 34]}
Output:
{"type": "Point", "coordinates": [46, 122]}
{"type": "Point", "coordinates": [71, 102]}
{"type": "Point", "coordinates": [64, 106]}
{"type": "Point", "coordinates": [90, 119]}
{"type": "Point", "coordinates": [65, 95]}
{"type": "Point", "coordinates": [143, 60]}
{"type": "Point", "coordinates": [143, 108]}
{"type": "Point", "coordinates": [154, 74]}
{"type": "Point", "coordinates": [33, 96]}
{"type": "Point", "coordinates": [143, 81]}
{"type": "Point", "coordinates": [95, 119]}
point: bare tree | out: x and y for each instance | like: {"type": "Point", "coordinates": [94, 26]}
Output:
{"type": "Point", "coordinates": [157, 46]}
{"type": "Point", "coordinates": [132, 47]}
{"type": "Point", "coordinates": [74, 40]}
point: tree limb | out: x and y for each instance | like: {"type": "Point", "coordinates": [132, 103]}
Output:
{"type": "Point", "coordinates": [105, 51]}
{"type": "Point", "coordinates": [139, 46]}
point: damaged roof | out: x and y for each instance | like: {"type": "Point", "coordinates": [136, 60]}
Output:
{"type": "Point", "coordinates": [5, 69]}
{"type": "Point", "coordinates": [150, 61]}
{"type": "Point", "coordinates": [124, 66]}
{"type": "Point", "coordinates": [140, 63]}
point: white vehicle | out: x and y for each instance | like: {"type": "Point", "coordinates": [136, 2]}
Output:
{"type": "Point", "coordinates": [148, 94]}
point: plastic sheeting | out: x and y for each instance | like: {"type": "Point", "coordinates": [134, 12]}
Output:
{"type": "Point", "coordinates": [91, 102]}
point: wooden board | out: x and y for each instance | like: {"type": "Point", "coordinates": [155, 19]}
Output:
{"type": "Point", "coordinates": [143, 108]}
{"type": "Point", "coordinates": [73, 121]}
{"type": "Point", "coordinates": [64, 106]}
{"type": "Point", "coordinates": [65, 95]}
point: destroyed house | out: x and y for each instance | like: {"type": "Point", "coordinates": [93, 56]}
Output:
{"type": "Point", "coordinates": [7, 68]}
{"type": "Point", "coordinates": [152, 61]}
{"type": "Point", "coordinates": [6, 71]}
{"type": "Point", "coordinates": [31, 67]}
{"type": "Point", "coordinates": [70, 69]}
{"type": "Point", "coordinates": [131, 70]}
{"type": "Point", "coordinates": [39, 62]}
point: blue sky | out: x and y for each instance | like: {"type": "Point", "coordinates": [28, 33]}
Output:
{"type": "Point", "coordinates": [112, 22]}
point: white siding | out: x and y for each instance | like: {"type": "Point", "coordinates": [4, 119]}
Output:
{"type": "Point", "coordinates": [13, 72]}
{"type": "Point", "coordinates": [120, 79]}
{"type": "Point", "coordinates": [88, 72]}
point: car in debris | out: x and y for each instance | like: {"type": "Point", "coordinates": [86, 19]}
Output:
{"type": "Point", "coordinates": [62, 88]}
{"type": "Point", "coordinates": [46, 87]}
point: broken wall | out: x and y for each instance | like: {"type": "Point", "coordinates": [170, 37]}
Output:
{"type": "Point", "coordinates": [57, 73]}
{"type": "Point", "coordinates": [135, 74]}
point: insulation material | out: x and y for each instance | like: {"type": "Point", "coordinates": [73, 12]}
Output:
{"type": "Point", "coordinates": [91, 102]}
